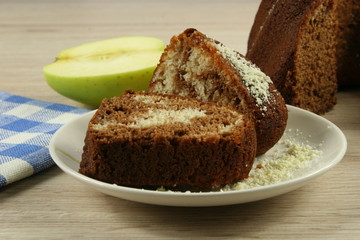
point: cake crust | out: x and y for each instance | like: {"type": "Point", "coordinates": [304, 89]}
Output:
{"type": "Point", "coordinates": [348, 47]}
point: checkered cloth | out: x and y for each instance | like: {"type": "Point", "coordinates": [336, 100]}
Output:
{"type": "Point", "coordinates": [26, 127]}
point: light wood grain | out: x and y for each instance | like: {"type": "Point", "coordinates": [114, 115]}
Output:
{"type": "Point", "coordinates": [52, 205]}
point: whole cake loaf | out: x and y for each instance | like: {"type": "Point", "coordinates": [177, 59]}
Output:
{"type": "Point", "coordinates": [196, 66]}
{"type": "Point", "coordinates": [142, 139]}
{"type": "Point", "coordinates": [307, 48]}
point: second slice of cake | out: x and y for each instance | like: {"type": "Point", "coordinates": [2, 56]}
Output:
{"type": "Point", "coordinates": [143, 139]}
{"type": "Point", "coordinates": [194, 65]}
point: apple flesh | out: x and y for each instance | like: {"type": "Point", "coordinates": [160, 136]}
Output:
{"type": "Point", "coordinates": [104, 69]}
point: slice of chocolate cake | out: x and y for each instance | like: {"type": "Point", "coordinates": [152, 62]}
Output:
{"type": "Point", "coordinates": [196, 66]}
{"type": "Point", "coordinates": [143, 139]}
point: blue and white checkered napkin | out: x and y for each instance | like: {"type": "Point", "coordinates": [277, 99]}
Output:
{"type": "Point", "coordinates": [26, 127]}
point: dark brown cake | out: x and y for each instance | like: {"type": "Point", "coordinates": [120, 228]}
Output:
{"type": "Point", "coordinates": [142, 139]}
{"type": "Point", "coordinates": [348, 43]}
{"type": "Point", "coordinates": [196, 66]}
{"type": "Point", "coordinates": [297, 44]}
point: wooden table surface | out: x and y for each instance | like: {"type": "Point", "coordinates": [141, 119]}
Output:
{"type": "Point", "coordinates": [53, 205]}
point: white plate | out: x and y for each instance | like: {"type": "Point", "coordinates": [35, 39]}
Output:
{"type": "Point", "coordinates": [66, 149]}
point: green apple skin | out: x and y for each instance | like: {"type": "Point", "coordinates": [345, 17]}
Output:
{"type": "Point", "coordinates": [92, 90]}
{"type": "Point", "coordinates": [104, 69]}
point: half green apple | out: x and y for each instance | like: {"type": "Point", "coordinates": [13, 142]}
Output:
{"type": "Point", "coordinates": [104, 69]}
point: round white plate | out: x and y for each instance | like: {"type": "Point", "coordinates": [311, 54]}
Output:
{"type": "Point", "coordinates": [67, 143]}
